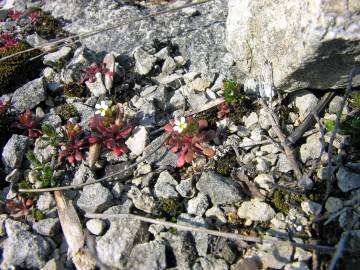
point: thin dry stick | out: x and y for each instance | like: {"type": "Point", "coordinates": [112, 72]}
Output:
{"type": "Point", "coordinates": [109, 178]}
{"type": "Point", "coordinates": [97, 31]}
{"type": "Point", "coordinates": [339, 250]}
{"type": "Point", "coordinates": [330, 175]}
{"type": "Point", "coordinates": [300, 130]}
{"type": "Point", "coordinates": [289, 152]}
{"type": "Point", "coordinates": [210, 232]}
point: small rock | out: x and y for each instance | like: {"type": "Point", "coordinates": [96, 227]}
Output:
{"type": "Point", "coordinates": [3, 218]}
{"type": "Point", "coordinates": [264, 120]}
{"type": "Point", "coordinates": [28, 96]}
{"type": "Point", "coordinates": [169, 66]}
{"type": "Point", "coordinates": [13, 176]}
{"type": "Point", "coordinates": [262, 164]}
{"type": "Point", "coordinates": [51, 119]}
{"type": "Point", "coordinates": [117, 243]}
{"type": "Point", "coordinates": [174, 81]}
{"type": "Point", "coordinates": [311, 208]}
{"type": "Point", "coordinates": [264, 181]}
{"type": "Point", "coordinates": [347, 179]}
{"type": "Point", "coordinates": [94, 198]}
{"type": "Point", "coordinates": [177, 100]}
{"type": "Point", "coordinates": [141, 200]}
{"type": "Point", "coordinates": [165, 186]}
{"type": "Point", "coordinates": [333, 204]}
{"type": "Point", "coordinates": [251, 120]}
{"type": "Point", "coordinates": [148, 256]}
{"type": "Point", "coordinates": [144, 62]}
{"type": "Point", "coordinates": [112, 169]}
{"type": "Point", "coordinates": [311, 149]}
{"type": "Point", "coordinates": [296, 266]}
{"type": "Point", "coordinates": [13, 152]}
{"type": "Point", "coordinates": [95, 226]}
{"type": "Point", "coordinates": [24, 250]}
{"type": "Point", "coordinates": [210, 262]}
{"type": "Point", "coordinates": [179, 60]}
{"type": "Point", "coordinates": [306, 183]}
{"type": "Point", "coordinates": [305, 101]}
{"type": "Point", "coordinates": [162, 157]}
{"type": "Point", "coordinates": [197, 100]}
{"type": "Point", "coordinates": [85, 113]}
{"type": "Point", "coordinates": [56, 59]}
{"type": "Point", "coordinates": [198, 205]}
{"type": "Point", "coordinates": [43, 150]}
{"type": "Point", "coordinates": [216, 216]}
{"type": "Point", "coordinates": [221, 190]}
{"type": "Point", "coordinates": [183, 247]}
{"type": "Point", "coordinates": [275, 255]}
{"type": "Point", "coordinates": [117, 190]}
{"type": "Point", "coordinates": [256, 210]}
{"type": "Point", "coordinates": [185, 188]}
{"type": "Point", "coordinates": [47, 227]}
{"type": "Point", "coordinates": [302, 255]}
{"type": "Point", "coordinates": [284, 164]}
{"type": "Point", "coordinates": [137, 142]}
{"type": "Point", "coordinates": [335, 105]}
{"type": "Point", "coordinates": [199, 84]}
{"type": "Point", "coordinates": [45, 202]}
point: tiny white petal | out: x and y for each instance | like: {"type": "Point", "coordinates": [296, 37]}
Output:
{"type": "Point", "coordinates": [177, 122]}
{"type": "Point", "coordinates": [182, 119]}
{"type": "Point", "coordinates": [178, 129]}
{"type": "Point", "coordinates": [97, 106]}
{"type": "Point", "coordinates": [97, 112]}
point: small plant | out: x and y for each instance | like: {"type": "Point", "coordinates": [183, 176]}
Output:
{"type": "Point", "coordinates": [232, 91]}
{"type": "Point", "coordinates": [74, 90]}
{"type": "Point", "coordinates": [74, 143]}
{"type": "Point", "coordinates": [110, 128]}
{"type": "Point", "coordinates": [356, 99]}
{"type": "Point", "coordinates": [190, 138]}
{"type": "Point", "coordinates": [7, 40]}
{"type": "Point", "coordinates": [28, 121]}
{"type": "Point", "coordinates": [223, 110]}
{"type": "Point", "coordinates": [44, 171]}
{"type": "Point", "coordinates": [14, 14]}
{"type": "Point", "coordinates": [50, 135]}
{"type": "Point", "coordinates": [66, 111]}
{"type": "Point", "coordinates": [92, 70]}
{"type": "Point", "coordinates": [20, 206]}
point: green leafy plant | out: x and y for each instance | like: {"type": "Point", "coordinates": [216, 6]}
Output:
{"type": "Point", "coordinates": [50, 135]}
{"type": "Point", "coordinates": [232, 91]}
{"type": "Point", "coordinates": [44, 171]}
{"type": "Point", "coordinates": [356, 101]}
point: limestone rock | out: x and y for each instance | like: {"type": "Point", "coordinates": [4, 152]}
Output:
{"type": "Point", "coordinates": [14, 150]}
{"type": "Point", "coordinates": [304, 40]}
{"type": "Point", "coordinates": [114, 247]}
{"type": "Point", "coordinates": [256, 211]}
{"type": "Point", "coordinates": [220, 189]}
{"type": "Point", "coordinates": [28, 96]}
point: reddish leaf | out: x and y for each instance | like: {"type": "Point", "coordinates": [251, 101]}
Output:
{"type": "Point", "coordinates": [181, 160]}
{"type": "Point", "coordinates": [117, 151]}
{"type": "Point", "coordinates": [168, 128]}
{"type": "Point", "coordinates": [208, 151]}
{"type": "Point", "coordinates": [189, 156]}
{"type": "Point", "coordinates": [202, 123]}
{"type": "Point", "coordinates": [71, 159]}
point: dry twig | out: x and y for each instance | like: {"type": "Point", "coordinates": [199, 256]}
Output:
{"type": "Point", "coordinates": [325, 249]}
{"type": "Point", "coordinates": [330, 175]}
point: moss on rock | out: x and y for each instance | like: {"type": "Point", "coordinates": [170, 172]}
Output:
{"type": "Point", "coordinates": [74, 90]}
{"type": "Point", "coordinates": [66, 111]}
{"type": "Point", "coordinates": [17, 69]}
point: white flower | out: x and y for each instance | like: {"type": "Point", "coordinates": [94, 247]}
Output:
{"type": "Point", "coordinates": [180, 125]}
{"type": "Point", "coordinates": [101, 108]}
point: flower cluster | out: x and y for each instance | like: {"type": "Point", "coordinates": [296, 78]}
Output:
{"type": "Point", "coordinates": [30, 123]}
{"type": "Point", "coordinates": [92, 70]}
{"type": "Point", "coordinates": [110, 129]}
{"type": "Point", "coordinates": [190, 138]}
{"type": "Point", "coordinates": [7, 40]}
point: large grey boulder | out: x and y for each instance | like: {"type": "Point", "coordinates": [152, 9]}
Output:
{"type": "Point", "coordinates": [200, 38]}
{"type": "Point", "coordinates": [304, 40]}
{"type": "Point", "coordinates": [113, 249]}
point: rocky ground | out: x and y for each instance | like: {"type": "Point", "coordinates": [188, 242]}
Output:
{"type": "Point", "coordinates": [90, 108]}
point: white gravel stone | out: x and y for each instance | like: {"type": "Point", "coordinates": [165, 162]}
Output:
{"type": "Point", "coordinates": [256, 210]}
{"type": "Point", "coordinates": [311, 208]}
{"type": "Point", "coordinates": [95, 226]}
{"type": "Point", "coordinates": [198, 205]}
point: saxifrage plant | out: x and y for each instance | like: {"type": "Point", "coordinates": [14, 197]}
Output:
{"type": "Point", "coordinates": [110, 129]}
{"type": "Point", "coordinates": [190, 138]}
{"type": "Point", "coordinates": [30, 123]}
